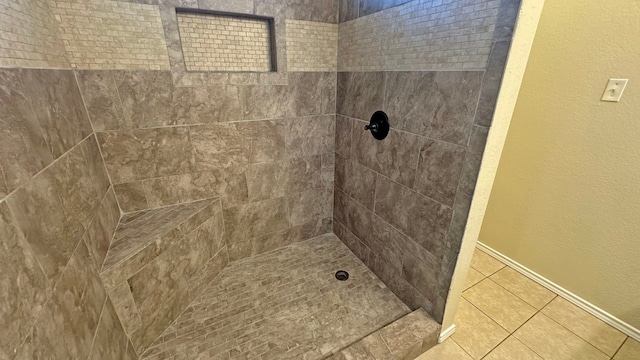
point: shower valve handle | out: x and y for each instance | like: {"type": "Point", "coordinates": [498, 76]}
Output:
{"type": "Point", "coordinates": [372, 127]}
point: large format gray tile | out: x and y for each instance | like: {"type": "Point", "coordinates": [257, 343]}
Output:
{"type": "Point", "coordinates": [310, 135]}
{"type": "Point", "coordinates": [348, 10]}
{"type": "Point", "coordinates": [25, 287]}
{"type": "Point", "coordinates": [360, 94]}
{"type": "Point", "coordinates": [148, 153]}
{"type": "Point", "coordinates": [395, 157]}
{"type": "Point", "coordinates": [356, 180]}
{"type": "Point", "coordinates": [311, 93]}
{"type": "Point", "coordinates": [318, 10]}
{"type": "Point", "coordinates": [24, 150]}
{"type": "Point", "coordinates": [491, 82]}
{"type": "Point", "coordinates": [58, 106]}
{"type": "Point", "coordinates": [101, 97]}
{"type": "Point", "coordinates": [439, 169]}
{"type": "Point", "coordinates": [72, 313]}
{"type": "Point", "coordinates": [111, 341]}
{"type": "Point", "coordinates": [423, 219]}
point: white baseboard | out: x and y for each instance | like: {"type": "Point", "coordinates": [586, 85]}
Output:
{"type": "Point", "coordinates": [444, 334]}
{"type": "Point", "coordinates": [564, 293]}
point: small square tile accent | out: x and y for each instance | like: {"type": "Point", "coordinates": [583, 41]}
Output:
{"type": "Point", "coordinates": [312, 46]}
{"type": "Point", "coordinates": [225, 43]}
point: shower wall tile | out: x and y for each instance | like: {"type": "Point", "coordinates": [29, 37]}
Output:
{"type": "Point", "coordinates": [253, 219]}
{"type": "Point", "coordinates": [348, 10]}
{"type": "Point", "coordinates": [310, 135]}
{"type": "Point", "coordinates": [395, 157]}
{"type": "Point", "coordinates": [318, 10]}
{"type": "Point", "coordinates": [267, 139]}
{"type": "Point", "coordinates": [343, 135]}
{"type": "Point", "coordinates": [237, 6]}
{"type": "Point", "coordinates": [439, 169]}
{"type": "Point", "coordinates": [311, 93]}
{"type": "Point", "coordinates": [220, 145]}
{"type": "Point", "coordinates": [42, 117]}
{"type": "Point", "coordinates": [24, 150]}
{"type": "Point", "coordinates": [260, 102]}
{"type": "Point", "coordinates": [40, 214]}
{"type": "Point", "coordinates": [4, 190]}
{"type": "Point", "coordinates": [25, 286]}
{"type": "Point", "coordinates": [491, 83]}
{"type": "Point", "coordinates": [101, 230]}
{"type": "Point", "coordinates": [58, 106]}
{"type": "Point", "coordinates": [507, 16]}
{"type": "Point", "coordinates": [230, 184]}
{"type": "Point", "coordinates": [111, 342]}
{"type": "Point", "coordinates": [100, 95]}
{"type": "Point", "coordinates": [131, 196]}
{"type": "Point", "coordinates": [145, 153]}
{"type": "Point", "coordinates": [357, 181]}
{"type": "Point", "coordinates": [424, 220]}
{"type": "Point", "coordinates": [360, 94]}
{"type": "Point", "coordinates": [72, 313]}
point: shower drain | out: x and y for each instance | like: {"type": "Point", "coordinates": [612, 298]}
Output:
{"type": "Point", "coordinates": [342, 275]}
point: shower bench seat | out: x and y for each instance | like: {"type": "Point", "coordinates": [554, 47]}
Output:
{"type": "Point", "coordinates": [158, 261]}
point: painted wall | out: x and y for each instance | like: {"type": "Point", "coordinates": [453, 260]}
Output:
{"type": "Point", "coordinates": [566, 200]}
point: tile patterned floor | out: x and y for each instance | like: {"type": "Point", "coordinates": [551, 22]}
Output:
{"type": "Point", "coordinates": [503, 315]}
{"type": "Point", "coordinates": [285, 304]}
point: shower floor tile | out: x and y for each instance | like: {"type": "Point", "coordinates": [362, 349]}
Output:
{"type": "Point", "coordinates": [285, 304]}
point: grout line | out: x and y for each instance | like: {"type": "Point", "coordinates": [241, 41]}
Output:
{"type": "Point", "coordinates": [93, 342]}
{"type": "Point", "coordinates": [46, 167]}
{"type": "Point", "coordinates": [95, 136]}
{"type": "Point", "coordinates": [538, 311]}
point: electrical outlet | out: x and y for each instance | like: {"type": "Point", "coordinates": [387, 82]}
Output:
{"type": "Point", "coordinates": [614, 89]}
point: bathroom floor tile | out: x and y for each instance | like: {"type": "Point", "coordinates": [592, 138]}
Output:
{"type": "Point", "coordinates": [448, 350]}
{"type": "Point", "coordinates": [484, 263]}
{"type": "Point", "coordinates": [502, 306]}
{"type": "Point", "coordinates": [475, 332]}
{"type": "Point", "coordinates": [523, 287]}
{"type": "Point", "coordinates": [630, 350]}
{"type": "Point", "coordinates": [512, 349]}
{"type": "Point", "coordinates": [588, 327]}
{"type": "Point", "coordinates": [552, 341]}
{"type": "Point", "coordinates": [473, 277]}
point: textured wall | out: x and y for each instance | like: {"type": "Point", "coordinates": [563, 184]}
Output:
{"type": "Point", "coordinates": [312, 46]}
{"type": "Point", "coordinates": [224, 43]}
{"type": "Point", "coordinates": [401, 204]}
{"type": "Point", "coordinates": [420, 35]}
{"type": "Point", "coordinates": [57, 215]}
{"type": "Point", "coordinates": [565, 199]}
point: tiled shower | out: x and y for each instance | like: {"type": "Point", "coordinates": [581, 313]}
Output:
{"type": "Point", "coordinates": [181, 179]}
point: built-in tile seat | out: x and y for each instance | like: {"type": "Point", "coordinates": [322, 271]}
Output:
{"type": "Point", "coordinates": [150, 231]}
{"type": "Point", "coordinates": [404, 339]}
{"type": "Point", "coordinates": [159, 260]}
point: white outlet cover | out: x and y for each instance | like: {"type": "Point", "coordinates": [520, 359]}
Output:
{"type": "Point", "coordinates": [613, 91]}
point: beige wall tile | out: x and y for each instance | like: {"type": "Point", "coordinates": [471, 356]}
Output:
{"type": "Point", "coordinates": [630, 350]}
{"type": "Point", "coordinates": [523, 287]}
{"type": "Point", "coordinates": [512, 349]}
{"type": "Point", "coordinates": [224, 43]}
{"type": "Point", "coordinates": [502, 306]}
{"type": "Point", "coordinates": [476, 333]}
{"type": "Point", "coordinates": [484, 263]}
{"type": "Point", "coordinates": [312, 46]}
{"type": "Point", "coordinates": [29, 35]}
{"type": "Point", "coordinates": [588, 327]}
{"type": "Point", "coordinates": [104, 34]}
{"type": "Point", "coordinates": [420, 35]}
{"type": "Point", "coordinates": [552, 341]}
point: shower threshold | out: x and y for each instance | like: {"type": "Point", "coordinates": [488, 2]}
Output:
{"type": "Point", "coordinates": [284, 304]}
